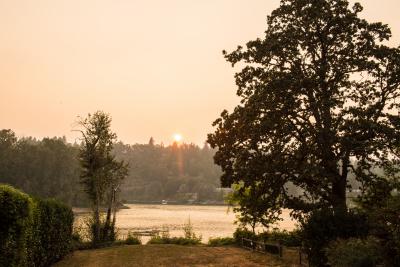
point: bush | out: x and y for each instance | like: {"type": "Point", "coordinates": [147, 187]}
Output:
{"type": "Point", "coordinates": [189, 233]}
{"type": "Point", "coordinates": [286, 238]}
{"type": "Point", "coordinates": [14, 221]}
{"type": "Point", "coordinates": [33, 232]}
{"type": "Point", "coordinates": [221, 241]}
{"type": "Point", "coordinates": [384, 224]}
{"type": "Point", "coordinates": [243, 233]}
{"type": "Point", "coordinates": [132, 239]}
{"type": "Point", "coordinates": [51, 237]}
{"type": "Point", "coordinates": [324, 226]}
{"type": "Point", "coordinates": [353, 252]}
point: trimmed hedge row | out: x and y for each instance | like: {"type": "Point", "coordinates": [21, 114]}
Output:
{"type": "Point", "coordinates": [15, 209]}
{"type": "Point", "coordinates": [33, 232]}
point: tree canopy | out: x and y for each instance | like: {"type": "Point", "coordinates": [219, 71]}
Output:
{"type": "Point", "coordinates": [318, 103]}
{"type": "Point", "coordinates": [42, 167]}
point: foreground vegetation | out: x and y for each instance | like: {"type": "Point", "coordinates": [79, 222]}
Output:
{"type": "Point", "coordinates": [169, 255]}
{"type": "Point", "coordinates": [33, 232]}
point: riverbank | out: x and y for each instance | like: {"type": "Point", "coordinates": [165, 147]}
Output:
{"type": "Point", "coordinates": [207, 221]}
{"type": "Point", "coordinates": [171, 255]}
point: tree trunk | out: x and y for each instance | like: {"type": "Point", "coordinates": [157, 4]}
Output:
{"type": "Point", "coordinates": [96, 226]}
{"type": "Point", "coordinates": [114, 209]}
{"type": "Point", "coordinates": [339, 194]}
{"type": "Point", "coordinates": [107, 223]}
{"type": "Point", "coordinates": [339, 186]}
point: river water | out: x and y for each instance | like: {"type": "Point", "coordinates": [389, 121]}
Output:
{"type": "Point", "coordinates": [207, 221]}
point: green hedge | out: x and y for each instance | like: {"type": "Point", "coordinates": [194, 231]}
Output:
{"type": "Point", "coordinates": [34, 232]}
{"type": "Point", "coordinates": [15, 208]}
{"type": "Point", "coordinates": [51, 232]}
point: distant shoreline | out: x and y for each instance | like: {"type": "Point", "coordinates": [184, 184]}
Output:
{"type": "Point", "coordinates": [175, 203]}
{"type": "Point", "coordinates": [84, 210]}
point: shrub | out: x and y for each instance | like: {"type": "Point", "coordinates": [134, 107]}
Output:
{"type": "Point", "coordinates": [324, 226]}
{"type": "Point", "coordinates": [33, 232]}
{"type": "Point", "coordinates": [189, 233]}
{"type": "Point", "coordinates": [14, 222]}
{"type": "Point", "coordinates": [51, 236]}
{"type": "Point", "coordinates": [286, 238]}
{"type": "Point", "coordinates": [132, 239]}
{"type": "Point", "coordinates": [384, 224]}
{"type": "Point", "coordinates": [243, 233]}
{"type": "Point", "coordinates": [353, 252]}
{"type": "Point", "coordinates": [221, 241]}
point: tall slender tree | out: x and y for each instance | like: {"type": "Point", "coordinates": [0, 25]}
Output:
{"type": "Point", "coordinates": [101, 174]}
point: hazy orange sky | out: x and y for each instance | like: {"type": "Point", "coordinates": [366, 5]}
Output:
{"type": "Point", "coordinates": [155, 65]}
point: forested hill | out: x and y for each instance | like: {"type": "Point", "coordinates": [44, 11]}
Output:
{"type": "Point", "coordinates": [50, 168]}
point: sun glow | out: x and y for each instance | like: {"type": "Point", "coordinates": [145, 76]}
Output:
{"type": "Point", "coordinates": [177, 137]}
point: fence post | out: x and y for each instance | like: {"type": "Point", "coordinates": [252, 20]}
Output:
{"type": "Point", "coordinates": [280, 249]}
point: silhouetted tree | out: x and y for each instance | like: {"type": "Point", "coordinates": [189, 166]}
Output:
{"type": "Point", "coordinates": [316, 92]}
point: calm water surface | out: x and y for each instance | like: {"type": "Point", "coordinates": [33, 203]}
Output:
{"type": "Point", "coordinates": [209, 221]}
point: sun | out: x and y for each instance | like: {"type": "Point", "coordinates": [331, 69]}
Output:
{"type": "Point", "coordinates": [177, 137]}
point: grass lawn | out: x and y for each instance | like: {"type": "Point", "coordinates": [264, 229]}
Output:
{"type": "Point", "coordinates": [169, 255]}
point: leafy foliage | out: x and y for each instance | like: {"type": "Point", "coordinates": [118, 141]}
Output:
{"type": "Point", "coordinates": [353, 252]}
{"type": "Point", "coordinates": [34, 232]}
{"type": "Point", "coordinates": [286, 238]}
{"type": "Point", "coordinates": [51, 232]}
{"type": "Point", "coordinates": [326, 225]}
{"type": "Point", "coordinates": [318, 90]}
{"type": "Point", "coordinates": [101, 173]}
{"type": "Point", "coordinates": [42, 167]}
{"type": "Point", "coordinates": [241, 233]}
{"type": "Point", "coordinates": [253, 206]}
{"type": "Point", "coordinates": [318, 105]}
{"type": "Point", "coordinates": [132, 239]}
{"type": "Point", "coordinates": [384, 224]}
{"type": "Point", "coordinates": [15, 208]}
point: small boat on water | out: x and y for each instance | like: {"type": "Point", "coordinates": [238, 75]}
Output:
{"type": "Point", "coordinates": [164, 202]}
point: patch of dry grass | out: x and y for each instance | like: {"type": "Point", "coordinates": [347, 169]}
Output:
{"type": "Point", "coordinates": [169, 255]}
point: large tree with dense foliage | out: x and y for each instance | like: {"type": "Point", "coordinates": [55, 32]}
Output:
{"type": "Point", "coordinates": [318, 102]}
